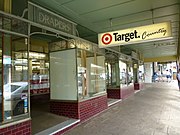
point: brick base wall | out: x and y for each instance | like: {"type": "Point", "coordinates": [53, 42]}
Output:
{"type": "Point", "coordinates": [138, 86]}
{"type": "Point", "coordinates": [79, 110]}
{"type": "Point", "coordinates": [92, 107]}
{"type": "Point", "coordinates": [127, 91]}
{"type": "Point", "coordinates": [23, 128]}
{"type": "Point", "coordinates": [114, 93]}
{"type": "Point", "coordinates": [65, 108]}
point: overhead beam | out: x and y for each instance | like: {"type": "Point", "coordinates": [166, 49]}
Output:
{"type": "Point", "coordinates": [39, 42]}
{"type": "Point", "coordinates": [161, 59]}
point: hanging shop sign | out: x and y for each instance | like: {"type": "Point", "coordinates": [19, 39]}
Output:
{"type": "Point", "coordinates": [45, 17]}
{"type": "Point", "coordinates": [147, 33]}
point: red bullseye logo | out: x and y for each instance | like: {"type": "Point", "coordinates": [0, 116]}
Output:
{"type": "Point", "coordinates": [106, 38]}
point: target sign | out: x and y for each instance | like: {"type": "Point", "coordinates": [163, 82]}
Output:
{"type": "Point", "coordinates": [106, 38]}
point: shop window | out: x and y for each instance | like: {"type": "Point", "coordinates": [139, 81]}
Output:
{"type": "Point", "coordinates": [81, 65]}
{"type": "Point", "coordinates": [129, 73]}
{"type": "Point", "coordinates": [141, 73]}
{"type": "Point", "coordinates": [123, 73]}
{"type": "Point", "coordinates": [15, 78]}
{"type": "Point", "coordinates": [1, 96]}
{"type": "Point", "coordinates": [112, 70]}
{"type": "Point", "coordinates": [39, 73]}
{"type": "Point", "coordinates": [108, 74]}
{"type": "Point", "coordinates": [91, 73]}
{"type": "Point", "coordinates": [112, 74]}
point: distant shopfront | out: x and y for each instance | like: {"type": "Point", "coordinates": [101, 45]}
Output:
{"type": "Point", "coordinates": [120, 77]}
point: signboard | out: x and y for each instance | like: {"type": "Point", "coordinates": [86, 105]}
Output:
{"type": "Point", "coordinates": [45, 17]}
{"type": "Point", "coordinates": [147, 33]}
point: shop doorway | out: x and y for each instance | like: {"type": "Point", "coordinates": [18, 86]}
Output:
{"type": "Point", "coordinates": [42, 118]}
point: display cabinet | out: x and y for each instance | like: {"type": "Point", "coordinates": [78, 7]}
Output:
{"type": "Point", "coordinates": [77, 78]}
{"type": "Point", "coordinates": [119, 75]}
{"type": "Point", "coordinates": [87, 69]}
{"type": "Point", "coordinates": [38, 70]}
{"type": "Point", "coordinates": [91, 73]}
{"type": "Point", "coordinates": [112, 70]}
{"type": "Point", "coordinates": [39, 73]}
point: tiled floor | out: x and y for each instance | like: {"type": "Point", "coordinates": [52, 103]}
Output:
{"type": "Point", "coordinates": [42, 119]}
{"type": "Point", "coordinates": [153, 111]}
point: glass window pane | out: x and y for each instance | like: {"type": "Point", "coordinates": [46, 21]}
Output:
{"type": "Point", "coordinates": [39, 73]}
{"type": "Point", "coordinates": [130, 74]}
{"type": "Point", "coordinates": [108, 74]}
{"type": "Point", "coordinates": [7, 76]}
{"type": "Point", "coordinates": [91, 74]}
{"type": "Point", "coordinates": [141, 73]}
{"type": "Point", "coordinates": [112, 75]}
{"type": "Point", "coordinates": [82, 73]}
{"type": "Point", "coordinates": [15, 71]}
{"type": "Point", "coordinates": [123, 73]}
{"type": "Point", "coordinates": [1, 99]}
{"type": "Point", "coordinates": [96, 74]}
{"type": "Point", "coordinates": [98, 71]}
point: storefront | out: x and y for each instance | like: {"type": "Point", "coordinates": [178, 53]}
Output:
{"type": "Point", "coordinates": [126, 77]}
{"type": "Point", "coordinates": [45, 68]}
{"type": "Point", "coordinates": [79, 89]}
{"type": "Point", "coordinates": [68, 75]}
{"type": "Point", "coordinates": [119, 76]}
{"type": "Point", "coordinates": [138, 71]}
{"type": "Point", "coordinates": [139, 85]}
{"type": "Point", "coordinates": [14, 81]}
{"type": "Point", "coordinates": [112, 75]}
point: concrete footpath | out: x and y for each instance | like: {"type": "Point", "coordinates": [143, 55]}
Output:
{"type": "Point", "coordinates": [152, 111]}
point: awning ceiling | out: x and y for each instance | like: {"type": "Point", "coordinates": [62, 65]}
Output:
{"type": "Point", "coordinates": [97, 16]}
